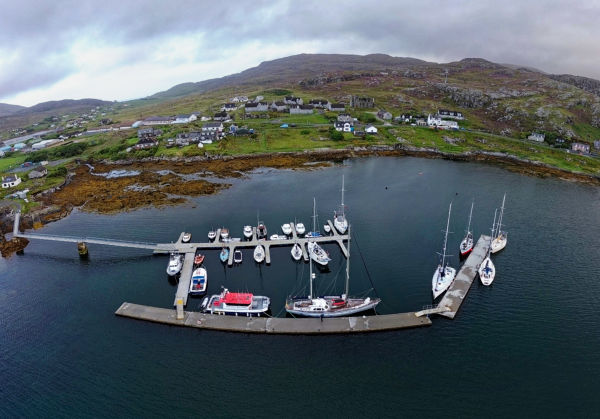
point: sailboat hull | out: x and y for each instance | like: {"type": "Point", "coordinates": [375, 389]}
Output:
{"type": "Point", "coordinates": [487, 272]}
{"type": "Point", "coordinates": [498, 244]}
{"type": "Point", "coordinates": [305, 307]}
{"type": "Point", "coordinates": [439, 283]}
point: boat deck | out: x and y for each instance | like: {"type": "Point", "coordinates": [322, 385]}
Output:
{"type": "Point", "coordinates": [274, 325]}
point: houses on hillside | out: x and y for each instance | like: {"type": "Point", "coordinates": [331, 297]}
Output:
{"type": "Point", "coordinates": [337, 107]}
{"type": "Point", "coordinates": [256, 107]}
{"type": "Point", "coordinates": [278, 106]}
{"type": "Point", "coordinates": [436, 122]}
{"type": "Point", "coordinates": [597, 144]}
{"type": "Point", "coordinates": [229, 107]}
{"type": "Point", "coordinates": [222, 116]}
{"type": "Point", "coordinates": [158, 120]}
{"type": "Point", "coordinates": [344, 126]}
{"type": "Point", "coordinates": [212, 126]}
{"type": "Point", "coordinates": [536, 136]}
{"type": "Point", "coordinates": [319, 103]}
{"type": "Point", "coordinates": [301, 109]}
{"type": "Point", "coordinates": [37, 173]}
{"type": "Point", "coordinates": [580, 148]}
{"type": "Point", "coordinates": [344, 117]}
{"type": "Point", "coordinates": [385, 115]}
{"type": "Point", "coordinates": [184, 119]}
{"type": "Point", "coordinates": [362, 102]}
{"type": "Point", "coordinates": [292, 100]}
{"type": "Point", "coordinates": [444, 113]}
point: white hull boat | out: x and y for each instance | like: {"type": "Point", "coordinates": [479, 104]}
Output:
{"type": "Point", "coordinates": [198, 282]}
{"type": "Point", "coordinates": [224, 234]}
{"type": "Point", "coordinates": [339, 217]}
{"type": "Point", "coordinates": [236, 304]}
{"type": "Point", "coordinates": [287, 229]}
{"type": "Point", "coordinates": [327, 228]}
{"type": "Point", "coordinates": [500, 236]}
{"type": "Point", "coordinates": [296, 252]}
{"type": "Point", "coordinates": [300, 229]}
{"type": "Point", "coordinates": [330, 306]}
{"type": "Point", "coordinates": [175, 264]}
{"type": "Point", "coordinates": [237, 256]}
{"type": "Point", "coordinates": [259, 253]}
{"type": "Point", "coordinates": [487, 271]}
{"type": "Point", "coordinates": [318, 254]}
{"type": "Point", "coordinates": [261, 230]}
{"type": "Point", "coordinates": [466, 245]}
{"type": "Point", "coordinates": [212, 235]}
{"type": "Point", "coordinates": [444, 274]}
{"type": "Point", "coordinates": [186, 237]}
{"type": "Point", "coordinates": [248, 232]}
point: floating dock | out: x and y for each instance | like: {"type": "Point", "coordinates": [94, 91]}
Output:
{"type": "Point", "coordinates": [274, 325]}
{"type": "Point", "coordinates": [459, 288]}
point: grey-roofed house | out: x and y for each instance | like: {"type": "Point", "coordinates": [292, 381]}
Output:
{"type": "Point", "coordinates": [580, 148]}
{"type": "Point", "coordinates": [301, 109]}
{"type": "Point", "coordinates": [212, 126]}
{"type": "Point", "coordinates": [319, 103]}
{"type": "Point", "coordinates": [337, 107]}
{"type": "Point", "coordinates": [384, 114]}
{"type": "Point", "coordinates": [536, 136]}
{"type": "Point", "coordinates": [256, 107]}
{"type": "Point", "coordinates": [293, 100]}
{"type": "Point", "coordinates": [221, 116]}
{"type": "Point", "coordinates": [184, 119]}
{"type": "Point", "coordinates": [146, 142]}
{"type": "Point", "coordinates": [344, 117]}
{"type": "Point", "coordinates": [10, 181]}
{"type": "Point", "coordinates": [228, 107]}
{"type": "Point", "coordinates": [37, 173]}
{"type": "Point", "coordinates": [450, 114]}
{"type": "Point", "coordinates": [343, 126]}
{"type": "Point", "coordinates": [278, 106]}
{"type": "Point", "coordinates": [158, 120]}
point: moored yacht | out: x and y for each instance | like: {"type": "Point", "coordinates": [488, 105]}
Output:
{"type": "Point", "coordinates": [237, 256]}
{"type": "Point", "coordinates": [198, 282]}
{"type": "Point", "coordinates": [296, 251]}
{"type": "Point", "coordinates": [248, 232]}
{"type": "Point", "coordinates": [300, 229]}
{"type": "Point", "coordinates": [487, 271]}
{"type": "Point", "coordinates": [259, 253]}
{"type": "Point", "coordinates": [236, 304]}
{"type": "Point", "coordinates": [212, 234]}
{"type": "Point", "coordinates": [466, 245]}
{"type": "Point", "coordinates": [316, 252]}
{"type": "Point", "coordinates": [327, 228]}
{"type": "Point", "coordinates": [224, 233]}
{"type": "Point", "coordinates": [261, 230]}
{"type": "Point", "coordinates": [175, 264]}
{"type": "Point", "coordinates": [224, 255]}
{"type": "Point", "coordinates": [339, 217]}
{"type": "Point", "coordinates": [330, 306]}
{"type": "Point", "coordinates": [500, 237]}
{"type": "Point", "coordinates": [287, 229]}
{"type": "Point", "coordinates": [186, 237]}
{"type": "Point", "coordinates": [444, 274]}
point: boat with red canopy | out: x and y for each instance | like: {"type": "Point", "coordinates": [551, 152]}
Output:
{"type": "Point", "coordinates": [236, 304]}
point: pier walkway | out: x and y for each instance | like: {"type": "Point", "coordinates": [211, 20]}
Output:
{"type": "Point", "coordinates": [459, 288]}
{"type": "Point", "coordinates": [274, 325]}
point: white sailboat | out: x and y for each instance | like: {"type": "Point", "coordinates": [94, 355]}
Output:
{"type": "Point", "coordinates": [259, 253]}
{"type": "Point", "coordinates": [330, 306]}
{"type": "Point", "coordinates": [487, 270]}
{"type": "Point", "coordinates": [316, 252]}
{"type": "Point", "coordinates": [296, 251]}
{"type": "Point", "coordinates": [444, 275]}
{"type": "Point", "coordinates": [500, 237]}
{"type": "Point", "coordinates": [466, 245]}
{"type": "Point", "coordinates": [287, 229]}
{"type": "Point", "coordinates": [339, 217]}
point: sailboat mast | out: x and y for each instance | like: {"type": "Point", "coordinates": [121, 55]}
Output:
{"type": "Point", "coordinates": [494, 223]}
{"type": "Point", "coordinates": [446, 237]}
{"type": "Point", "coordinates": [311, 279]}
{"type": "Point", "coordinates": [342, 193]}
{"type": "Point", "coordinates": [501, 214]}
{"type": "Point", "coordinates": [348, 267]}
{"type": "Point", "coordinates": [470, 215]}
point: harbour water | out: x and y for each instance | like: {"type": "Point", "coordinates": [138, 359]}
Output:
{"type": "Point", "coordinates": [527, 346]}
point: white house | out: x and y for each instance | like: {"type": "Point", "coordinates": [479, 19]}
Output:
{"type": "Point", "coordinates": [370, 129]}
{"type": "Point", "coordinates": [278, 106]}
{"type": "Point", "coordinates": [319, 103]}
{"type": "Point", "coordinates": [301, 109]}
{"type": "Point", "coordinates": [292, 100]}
{"type": "Point", "coordinates": [10, 181]}
{"type": "Point", "coordinates": [256, 107]}
{"type": "Point", "coordinates": [536, 136]}
{"type": "Point", "coordinates": [450, 114]}
{"type": "Point", "coordinates": [433, 121]}
{"type": "Point", "coordinates": [158, 120]}
{"type": "Point", "coordinates": [344, 117]}
{"type": "Point", "coordinates": [343, 126]}
{"type": "Point", "coordinates": [213, 126]}
{"type": "Point", "coordinates": [184, 119]}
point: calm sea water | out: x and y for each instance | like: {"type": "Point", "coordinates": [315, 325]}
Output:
{"type": "Point", "coordinates": [527, 346]}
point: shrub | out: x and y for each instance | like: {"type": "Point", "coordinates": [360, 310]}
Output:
{"type": "Point", "coordinates": [367, 118]}
{"type": "Point", "coordinates": [305, 132]}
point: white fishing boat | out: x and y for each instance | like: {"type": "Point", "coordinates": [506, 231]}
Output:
{"type": "Point", "coordinates": [224, 233]}
{"type": "Point", "coordinates": [186, 237]}
{"type": "Point", "coordinates": [198, 282]}
{"type": "Point", "coordinates": [444, 274]}
{"type": "Point", "coordinates": [212, 234]}
{"type": "Point", "coordinates": [300, 229]}
{"type": "Point", "coordinates": [259, 253]}
{"type": "Point", "coordinates": [339, 217]}
{"type": "Point", "coordinates": [237, 256]}
{"type": "Point", "coordinates": [330, 306]}
{"type": "Point", "coordinates": [500, 237]}
{"type": "Point", "coordinates": [236, 304]}
{"type": "Point", "coordinates": [248, 232]}
{"type": "Point", "coordinates": [296, 251]}
{"type": "Point", "coordinates": [316, 252]}
{"type": "Point", "coordinates": [287, 229]}
{"type": "Point", "coordinates": [175, 264]}
{"type": "Point", "coordinates": [327, 228]}
{"type": "Point", "coordinates": [466, 245]}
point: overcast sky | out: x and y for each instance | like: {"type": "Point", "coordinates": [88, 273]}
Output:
{"type": "Point", "coordinates": [126, 49]}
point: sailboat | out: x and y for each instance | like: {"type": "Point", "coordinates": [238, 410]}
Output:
{"type": "Point", "coordinates": [466, 245]}
{"type": "Point", "coordinates": [487, 270]}
{"type": "Point", "coordinates": [296, 251]}
{"type": "Point", "coordinates": [330, 306]}
{"type": "Point", "coordinates": [316, 252]}
{"type": "Point", "coordinates": [259, 253]}
{"type": "Point", "coordinates": [339, 217]}
{"type": "Point", "coordinates": [499, 236]}
{"type": "Point", "coordinates": [444, 274]}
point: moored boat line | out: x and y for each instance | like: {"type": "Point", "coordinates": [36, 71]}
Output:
{"type": "Point", "coordinates": [444, 274]}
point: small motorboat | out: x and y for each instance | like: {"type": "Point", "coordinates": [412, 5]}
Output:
{"type": "Point", "coordinates": [277, 237]}
{"type": "Point", "coordinates": [212, 234]}
{"type": "Point", "coordinates": [313, 234]}
{"type": "Point", "coordinates": [327, 228]}
{"type": "Point", "coordinates": [224, 255]}
{"type": "Point", "coordinates": [248, 232]}
{"type": "Point", "coordinates": [259, 253]}
{"type": "Point", "coordinates": [300, 229]}
{"type": "Point", "coordinates": [198, 282]}
{"type": "Point", "coordinates": [186, 237]}
{"type": "Point", "coordinates": [261, 230]}
{"type": "Point", "coordinates": [237, 256]}
{"type": "Point", "coordinates": [175, 264]}
{"type": "Point", "coordinates": [287, 229]}
{"type": "Point", "coordinates": [296, 252]}
{"type": "Point", "coordinates": [198, 259]}
{"type": "Point", "coordinates": [224, 233]}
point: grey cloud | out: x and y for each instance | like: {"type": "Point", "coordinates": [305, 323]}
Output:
{"type": "Point", "coordinates": [556, 36]}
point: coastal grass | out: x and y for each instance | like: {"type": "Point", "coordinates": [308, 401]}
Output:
{"type": "Point", "coordinates": [8, 163]}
